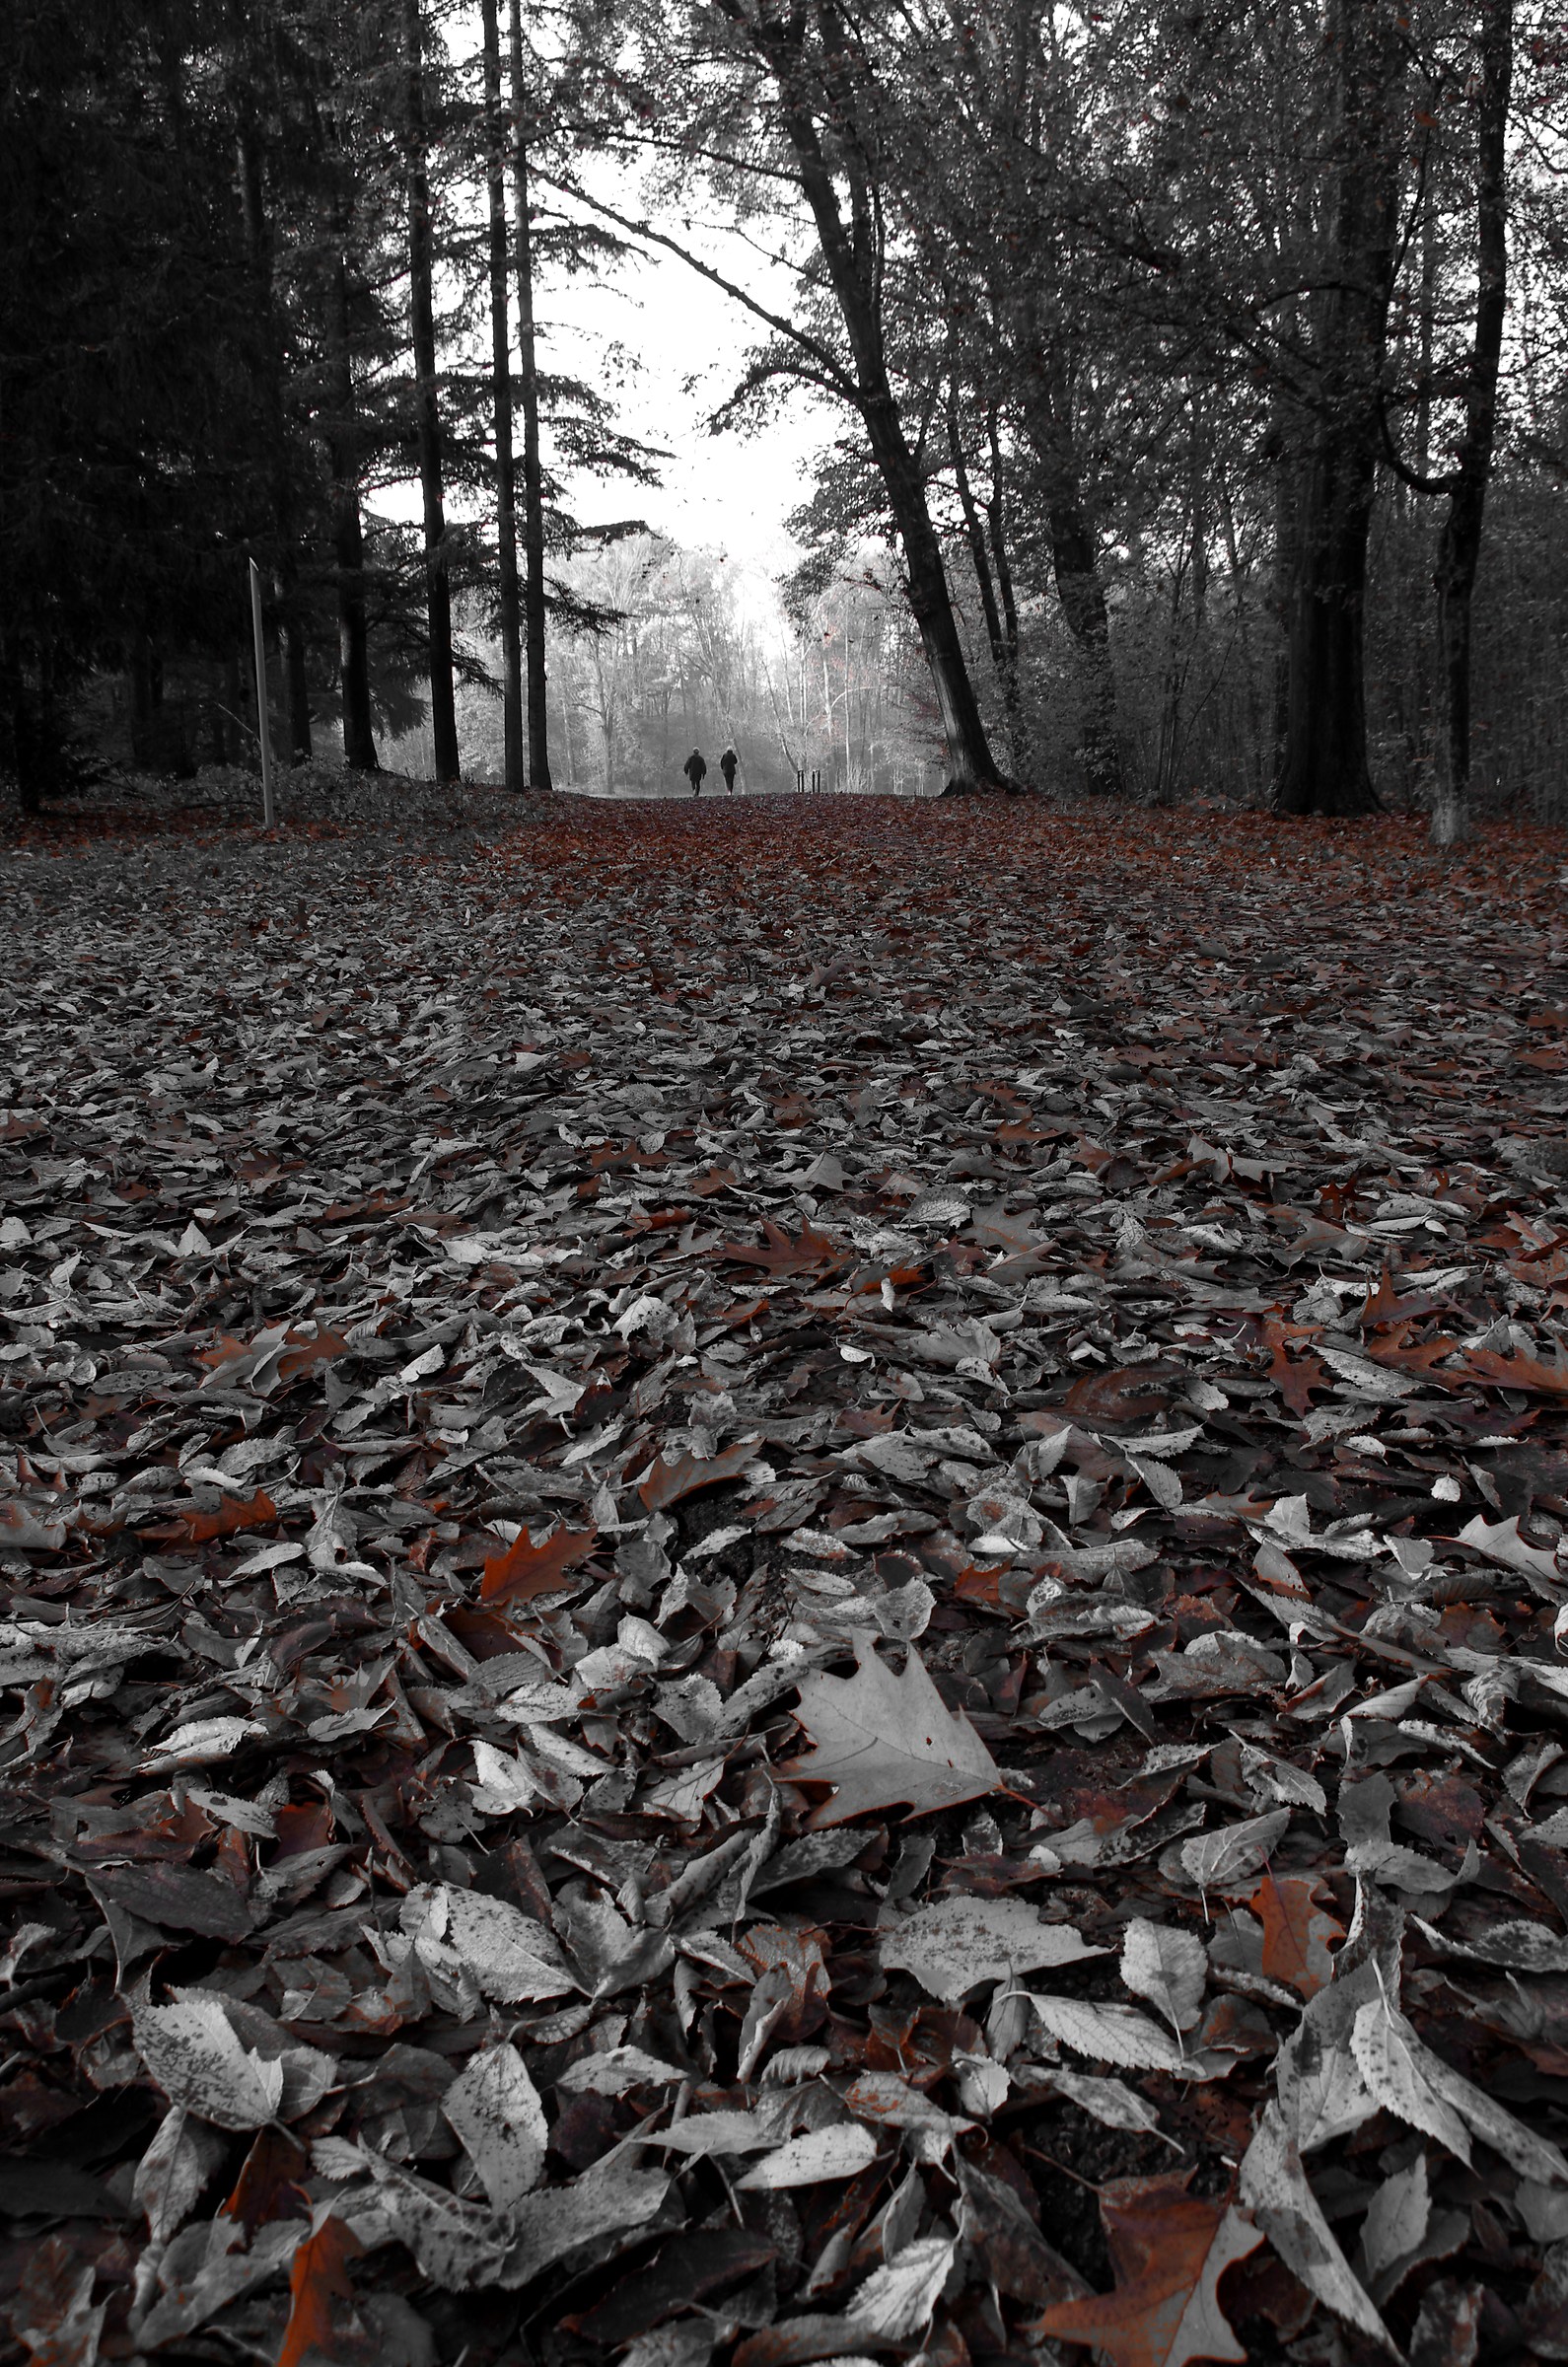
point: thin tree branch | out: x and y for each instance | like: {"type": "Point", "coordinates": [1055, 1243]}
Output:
{"type": "Point", "coordinates": [833, 369]}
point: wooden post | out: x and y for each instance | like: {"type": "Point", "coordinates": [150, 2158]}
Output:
{"type": "Point", "coordinates": [262, 731]}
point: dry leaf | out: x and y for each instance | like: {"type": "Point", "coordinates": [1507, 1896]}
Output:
{"type": "Point", "coordinates": [1168, 2250]}
{"type": "Point", "coordinates": [952, 1946]}
{"type": "Point", "coordinates": [885, 1740]}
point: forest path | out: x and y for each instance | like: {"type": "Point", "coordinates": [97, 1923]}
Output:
{"type": "Point", "coordinates": [635, 1253]}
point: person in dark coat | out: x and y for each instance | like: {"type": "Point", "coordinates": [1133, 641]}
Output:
{"type": "Point", "coordinates": [696, 770]}
{"type": "Point", "coordinates": [727, 764]}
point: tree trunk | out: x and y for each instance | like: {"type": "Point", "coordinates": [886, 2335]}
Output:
{"type": "Point", "coordinates": [348, 533]}
{"type": "Point", "coordinates": [1323, 767]}
{"type": "Point", "coordinates": [259, 245]}
{"type": "Point", "coordinates": [996, 527]}
{"type": "Point", "coordinates": [1083, 597]}
{"type": "Point", "coordinates": [974, 531]}
{"type": "Point", "coordinates": [296, 681]}
{"type": "Point", "coordinates": [20, 736]}
{"type": "Point", "coordinates": [421, 297]}
{"type": "Point", "coordinates": [538, 730]}
{"type": "Point", "coordinates": [146, 690]}
{"type": "Point", "coordinates": [852, 263]}
{"type": "Point", "coordinates": [501, 393]}
{"type": "Point", "coordinates": [1075, 562]}
{"type": "Point", "coordinates": [1459, 543]}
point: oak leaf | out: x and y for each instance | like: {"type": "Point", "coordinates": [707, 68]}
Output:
{"type": "Point", "coordinates": [525, 1569]}
{"type": "Point", "coordinates": [883, 1740]}
{"type": "Point", "coordinates": [1297, 1933]}
{"type": "Point", "coordinates": [812, 1251]}
{"type": "Point", "coordinates": [1169, 2250]}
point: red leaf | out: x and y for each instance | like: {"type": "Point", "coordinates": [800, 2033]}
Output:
{"type": "Point", "coordinates": [317, 2278]}
{"type": "Point", "coordinates": [1298, 1934]}
{"type": "Point", "coordinates": [525, 1569]}
{"type": "Point", "coordinates": [1518, 1371]}
{"type": "Point", "coordinates": [270, 2185]}
{"type": "Point", "coordinates": [1295, 1380]}
{"type": "Point", "coordinates": [810, 1254]}
{"type": "Point", "coordinates": [306, 1352]}
{"type": "Point", "coordinates": [667, 1482]}
{"type": "Point", "coordinates": [1170, 2251]}
{"type": "Point", "coordinates": [201, 1527]}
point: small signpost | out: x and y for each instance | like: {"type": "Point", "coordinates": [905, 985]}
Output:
{"type": "Point", "coordinates": [267, 815]}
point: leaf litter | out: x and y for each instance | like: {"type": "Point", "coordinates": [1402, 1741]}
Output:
{"type": "Point", "coordinates": [782, 1589]}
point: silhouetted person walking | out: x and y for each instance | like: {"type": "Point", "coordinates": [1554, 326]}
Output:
{"type": "Point", "coordinates": [727, 764]}
{"type": "Point", "coordinates": [696, 770]}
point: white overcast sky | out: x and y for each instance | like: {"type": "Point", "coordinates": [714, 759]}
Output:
{"type": "Point", "coordinates": [728, 492]}
{"type": "Point", "coordinates": [666, 346]}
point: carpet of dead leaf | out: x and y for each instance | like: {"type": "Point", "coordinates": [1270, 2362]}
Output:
{"type": "Point", "coordinates": [781, 1582]}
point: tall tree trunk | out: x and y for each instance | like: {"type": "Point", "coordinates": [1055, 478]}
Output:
{"type": "Point", "coordinates": [296, 677]}
{"type": "Point", "coordinates": [1083, 597]}
{"type": "Point", "coordinates": [421, 298]}
{"type": "Point", "coordinates": [501, 392]}
{"type": "Point", "coordinates": [850, 256]}
{"type": "Point", "coordinates": [19, 734]}
{"type": "Point", "coordinates": [539, 766]}
{"type": "Point", "coordinates": [975, 532]}
{"type": "Point", "coordinates": [1459, 543]}
{"type": "Point", "coordinates": [259, 245]}
{"type": "Point", "coordinates": [1075, 562]}
{"type": "Point", "coordinates": [147, 691]}
{"type": "Point", "coordinates": [1323, 767]}
{"type": "Point", "coordinates": [996, 528]}
{"type": "Point", "coordinates": [348, 533]}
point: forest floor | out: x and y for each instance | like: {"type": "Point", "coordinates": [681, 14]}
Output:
{"type": "Point", "coordinates": [567, 1368]}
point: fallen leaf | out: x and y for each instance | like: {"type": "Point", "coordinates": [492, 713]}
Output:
{"type": "Point", "coordinates": [957, 1943]}
{"type": "Point", "coordinates": [525, 1569]}
{"type": "Point", "coordinates": [317, 2277]}
{"type": "Point", "coordinates": [1299, 1935]}
{"type": "Point", "coordinates": [883, 1741]}
{"type": "Point", "coordinates": [1166, 1965]}
{"type": "Point", "coordinates": [1168, 2250]}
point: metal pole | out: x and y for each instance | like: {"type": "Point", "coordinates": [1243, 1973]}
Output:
{"type": "Point", "coordinates": [264, 733]}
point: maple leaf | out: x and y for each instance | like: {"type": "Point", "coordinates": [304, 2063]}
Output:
{"type": "Point", "coordinates": [883, 1740]}
{"type": "Point", "coordinates": [1297, 1933]}
{"type": "Point", "coordinates": [1169, 2250]}
{"type": "Point", "coordinates": [525, 1569]}
{"type": "Point", "coordinates": [317, 2276]}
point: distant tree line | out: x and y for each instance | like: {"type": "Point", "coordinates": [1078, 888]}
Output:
{"type": "Point", "coordinates": [690, 654]}
{"type": "Point", "coordinates": [1200, 368]}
